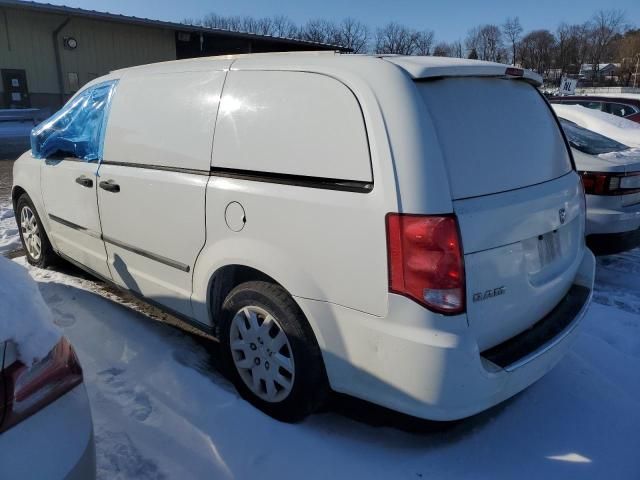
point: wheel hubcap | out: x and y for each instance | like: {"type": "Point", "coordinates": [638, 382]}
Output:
{"type": "Point", "coordinates": [262, 354]}
{"type": "Point", "coordinates": [30, 233]}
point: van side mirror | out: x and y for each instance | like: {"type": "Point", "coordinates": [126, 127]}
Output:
{"type": "Point", "coordinates": [51, 143]}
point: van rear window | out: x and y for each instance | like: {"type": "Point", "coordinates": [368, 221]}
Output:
{"type": "Point", "coordinates": [495, 134]}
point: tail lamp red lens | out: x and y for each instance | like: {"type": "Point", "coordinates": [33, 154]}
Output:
{"type": "Point", "coordinates": [29, 389]}
{"type": "Point", "coordinates": [598, 183]}
{"type": "Point", "coordinates": [426, 262]}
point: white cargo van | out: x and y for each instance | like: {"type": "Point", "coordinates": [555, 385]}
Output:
{"type": "Point", "coordinates": [406, 230]}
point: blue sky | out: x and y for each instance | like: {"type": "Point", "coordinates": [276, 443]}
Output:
{"type": "Point", "coordinates": [450, 19]}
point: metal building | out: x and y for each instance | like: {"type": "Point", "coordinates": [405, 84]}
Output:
{"type": "Point", "coordinates": [48, 52]}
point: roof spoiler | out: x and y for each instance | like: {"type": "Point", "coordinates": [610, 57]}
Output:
{"type": "Point", "coordinates": [424, 68]}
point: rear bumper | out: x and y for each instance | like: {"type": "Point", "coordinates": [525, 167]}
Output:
{"type": "Point", "coordinates": [55, 443]}
{"type": "Point", "coordinates": [430, 366]}
{"type": "Point", "coordinates": [605, 220]}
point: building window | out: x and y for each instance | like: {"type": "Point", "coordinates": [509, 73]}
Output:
{"type": "Point", "coordinates": [74, 83]}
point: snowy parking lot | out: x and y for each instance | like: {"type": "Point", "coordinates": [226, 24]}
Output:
{"type": "Point", "coordinates": [161, 410]}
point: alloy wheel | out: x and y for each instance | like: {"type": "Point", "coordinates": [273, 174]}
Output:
{"type": "Point", "coordinates": [262, 354]}
{"type": "Point", "coordinates": [30, 233]}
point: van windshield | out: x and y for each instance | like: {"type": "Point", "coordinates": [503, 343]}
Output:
{"type": "Point", "coordinates": [588, 141]}
{"type": "Point", "coordinates": [495, 134]}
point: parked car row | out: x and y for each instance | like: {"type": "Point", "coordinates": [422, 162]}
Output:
{"type": "Point", "coordinates": [610, 173]}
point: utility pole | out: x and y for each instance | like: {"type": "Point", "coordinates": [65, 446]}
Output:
{"type": "Point", "coordinates": [635, 76]}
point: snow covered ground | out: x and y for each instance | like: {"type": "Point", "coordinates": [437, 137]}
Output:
{"type": "Point", "coordinates": [9, 236]}
{"type": "Point", "coordinates": [161, 410]}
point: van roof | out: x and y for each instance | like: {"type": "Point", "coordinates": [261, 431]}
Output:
{"type": "Point", "coordinates": [417, 67]}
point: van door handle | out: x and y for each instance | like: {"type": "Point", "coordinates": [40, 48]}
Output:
{"type": "Point", "coordinates": [84, 181]}
{"type": "Point", "coordinates": [110, 186]}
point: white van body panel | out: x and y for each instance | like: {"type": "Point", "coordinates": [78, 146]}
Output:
{"type": "Point", "coordinates": [268, 120]}
{"type": "Point", "coordinates": [149, 114]}
{"type": "Point", "coordinates": [402, 140]}
{"type": "Point", "coordinates": [72, 207]}
{"type": "Point", "coordinates": [151, 244]}
{"type": "Point", "coordinates": [301, 237]}
{"type": "Point", "coordinates": [154, 226]}
{"type": "Point", "coordinates": [26, 176]}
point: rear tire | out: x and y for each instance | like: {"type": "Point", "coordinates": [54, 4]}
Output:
{"type": "Point", "coordinates": [270, 352]}
{"type": "Point", "coordinates": [34, 239]}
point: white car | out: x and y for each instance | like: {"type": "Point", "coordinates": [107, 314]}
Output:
{"type": "Point", "coordinates": [46, 429]}
{"type": "Point", "coordinates": [406, 230]}
{"type": "Point", "coordinates": [611, 178]}
{"type": "Point", "coordinates": [617, 128]}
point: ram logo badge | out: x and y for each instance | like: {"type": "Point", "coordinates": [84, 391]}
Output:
{"type": "Point", "coordinates": [562, 214]}
{"type": "Point", "coordinates": [487, 294]}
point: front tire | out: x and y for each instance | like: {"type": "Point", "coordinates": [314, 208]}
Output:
{"type": "Point", "coordinates": [34, 239]}
{"type": "Point", "coordinates": [270, 352]}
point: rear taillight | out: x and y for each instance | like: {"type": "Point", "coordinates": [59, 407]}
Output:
{"type": "Point", "coordinates": [425, 261]}
{"type": "Point", "coordinates": [29, 389]}
{"type": "Point", "coordinates": [598, 183]}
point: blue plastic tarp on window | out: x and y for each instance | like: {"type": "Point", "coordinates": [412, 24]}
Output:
{"type": "Point", "coordinates": [77, 130]}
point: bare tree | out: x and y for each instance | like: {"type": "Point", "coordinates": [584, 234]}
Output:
{"type": "Point", "coordinates": [453, 49]}
{"type": "Point", "coordinates": [512, 30]}
{"type": "Point", "coordinates": [442, 49]}
{"type": "Point", "coordinates": [353, 34]}
{"type": "Point", "coordinates": [628, 54]}
{"type": "Point", "coordinates": [486, 41]}
{"type": "Point", "coordinates": [320, 31]}
{"type": "Point", "coordinates": [283, 26]}
{"type": "Point", "coordinates": [605, 25]}
{"type": "Point", "coordinates": [394, 38]}
{"type": "Point", "coordinates": [423, 41]}
{"type": "Point", "coordinates": [536, 50]}
{"type": "Point", "coordinates": [456, 49]}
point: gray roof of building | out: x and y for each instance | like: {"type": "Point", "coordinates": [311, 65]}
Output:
{"type": "Point", "coordinates": [115, 17]}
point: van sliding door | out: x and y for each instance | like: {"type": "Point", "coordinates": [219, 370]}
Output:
{"type": "Point", "coordinates": [151, 190]}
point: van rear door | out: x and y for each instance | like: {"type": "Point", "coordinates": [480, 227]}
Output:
{"type": "Point", "coordinates": [518, 201]}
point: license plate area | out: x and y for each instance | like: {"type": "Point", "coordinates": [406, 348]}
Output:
{"type": "Point", "coordinates": [549, 248]}
{"type": "Point", "coordinates": [547, 252]}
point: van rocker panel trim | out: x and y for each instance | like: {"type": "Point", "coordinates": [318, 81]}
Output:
{"type": "Point", "coordinates": [69, 224]}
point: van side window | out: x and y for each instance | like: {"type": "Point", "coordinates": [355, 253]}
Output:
{"type": "Point", "coordinates": [77, 129]}
{"type": "Point", "coordinates": [164, 119]}
{"type": "Point", "coordinates": [292, 123]}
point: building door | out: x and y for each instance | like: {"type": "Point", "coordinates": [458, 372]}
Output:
{"type": "Point", "coordinates": [16, 93]}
